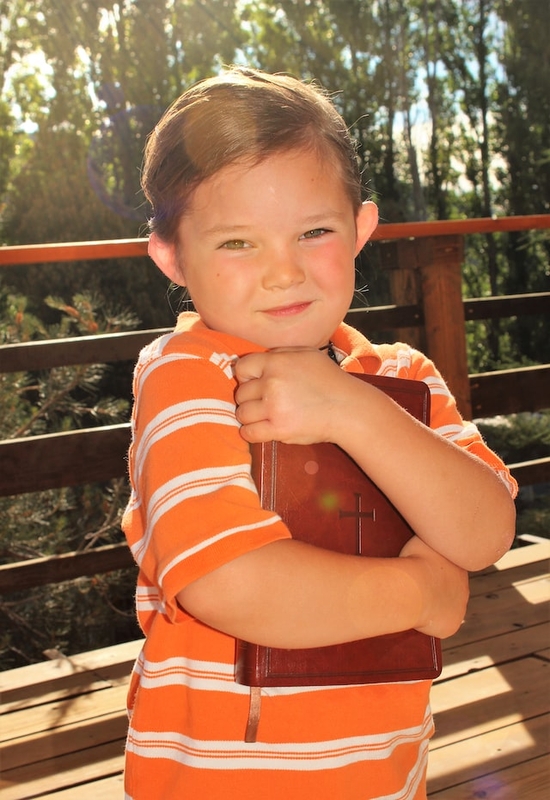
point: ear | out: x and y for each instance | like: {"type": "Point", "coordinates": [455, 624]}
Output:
{"type": "Point", "coordinates": [366, 222]}
{"type": "Point", "coordinates": [164, 255]}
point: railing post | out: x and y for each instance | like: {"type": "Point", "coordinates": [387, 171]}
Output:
{"type": "Point", "coordinates": [399, 258]}
{"type": "Point", "coordinates": [440, 261]}
{"type": "Point", "coordinates": [428, 272]}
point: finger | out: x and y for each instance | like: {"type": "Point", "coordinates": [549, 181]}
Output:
{"type": "Point", "coordinates": [249, 367]}
{"type": "Point", "coordinates": [257, 432]}
{"type": "Point", "coordinates": [250, 412]}
{"type": "Point", "coordinates": [249, 390]}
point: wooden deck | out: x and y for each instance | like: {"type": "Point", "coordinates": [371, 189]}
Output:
{"type": "Point", "coordinates": [63, 724]}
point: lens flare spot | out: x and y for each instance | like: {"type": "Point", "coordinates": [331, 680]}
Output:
{"type": "Point", "coordinates": [329, 501]}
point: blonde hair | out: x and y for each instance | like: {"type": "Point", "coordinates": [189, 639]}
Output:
{"type": "Point", "coordinates": [242, 115]}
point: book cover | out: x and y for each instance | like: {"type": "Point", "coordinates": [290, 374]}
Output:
{"type": "Point", "coordinates": [328, 501]}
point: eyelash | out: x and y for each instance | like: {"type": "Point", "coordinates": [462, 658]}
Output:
{"type": "Point", "coordinates": [314, 233]}
{"type": "Point", "coordinates": [234, 244]}
{"type": "Point", "coordinates": [240, 244]}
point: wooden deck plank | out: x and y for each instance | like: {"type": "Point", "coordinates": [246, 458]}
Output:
{"type": "Point", "coordinates": [106, 661]}
{"type": "Point", "coordinates": [66, 677]}
{"type": "Point", "coordinates": [81, 767]}
{"type": "Point", "coordinates": [470, 759]}
{"type": "Point", "coordinates": [106, 789]}
{"type": "Point", "coordinates": [518, 565]}
{"type": "Point", "coordinates": [505, 611]}
{"type": "Point", "coordinates": [82, 735]}
{"type": "Point", "coordinates": [53, 690]}
{"type": "Point", "coordinates": [518, 556]}
{"type": "Point", "coordinates": [490, 699]}
{"type": "Point", "coordinates": [54, 715]}
{"type": "Point", "coordinates": [497, 581]}
{"type": "Point", "coordinates": [526, 781]}
{"type": "Point", "coordinates": [462, 659]}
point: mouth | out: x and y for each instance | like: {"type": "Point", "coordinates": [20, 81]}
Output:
{"type": "Point", "coordinates": [291, 310]}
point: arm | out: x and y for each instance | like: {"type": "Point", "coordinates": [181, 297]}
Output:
{"type": "Point", "coordinates": [290, 594]}
{"type": "Point", "coordinates": [453, 501]}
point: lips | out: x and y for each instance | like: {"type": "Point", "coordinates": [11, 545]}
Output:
{"type": "Point", "coordinates": [288, 310]}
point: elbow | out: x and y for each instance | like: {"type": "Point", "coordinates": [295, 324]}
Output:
{"type": "Point", "coordinates": [224, 599]}
{"type": "Point", "coordinates": [204, 600]}
{"type": "Point", "coordinates": [499, 542]}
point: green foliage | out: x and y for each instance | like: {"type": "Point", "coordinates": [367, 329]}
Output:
{"type": "Point", "coordinates": [534, 517]}
{"type": "Point", "coordinates": [67, 618]}
{"type": "Point", "coordinates": [517, 438]}
{"type": "Point", "coordinates": [79, 614]}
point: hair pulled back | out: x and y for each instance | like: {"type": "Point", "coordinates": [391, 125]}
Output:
{"type": "Point", "coordinates": [242, 115]}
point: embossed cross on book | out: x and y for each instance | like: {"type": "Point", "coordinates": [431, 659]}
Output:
{"type": "Point", "coordinates": [359, 515]}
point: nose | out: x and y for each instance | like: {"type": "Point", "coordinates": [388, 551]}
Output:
{"type": "Point", "coordinates": [282, 269]}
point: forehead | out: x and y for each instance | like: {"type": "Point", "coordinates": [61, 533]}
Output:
{"type": "Point", "coordinates": [300, 175]}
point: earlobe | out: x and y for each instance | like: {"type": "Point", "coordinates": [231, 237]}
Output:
{"type": "Point", "coordinates": [164, 255]}
{"type": "Point", "coordinates": [366, 222]}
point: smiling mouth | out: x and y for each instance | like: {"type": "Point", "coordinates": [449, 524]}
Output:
{"type": "Point", "coordinates": [288, 311]}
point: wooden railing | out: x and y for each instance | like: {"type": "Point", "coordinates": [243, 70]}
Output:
{"type": "Point", "coordinates": [425, 260]}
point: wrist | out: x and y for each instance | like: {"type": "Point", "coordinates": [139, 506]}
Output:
{"type": "Point", "coordinates": [394, 595]}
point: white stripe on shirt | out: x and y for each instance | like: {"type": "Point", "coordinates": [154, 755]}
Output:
{"type": "Point", "coordinates": [179, 416]}
{"type": "Point", "coordinates": [300, 756]}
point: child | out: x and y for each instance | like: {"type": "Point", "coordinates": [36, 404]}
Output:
{"type": "Point", "coordinates": [256, 209]}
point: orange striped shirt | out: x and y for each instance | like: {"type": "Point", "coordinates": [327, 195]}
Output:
{"type": "Point", "coordinates": [193, 508]}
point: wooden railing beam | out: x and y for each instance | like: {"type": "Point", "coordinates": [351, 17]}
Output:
{"type": "Point", "coordinates": [65, 567]}
{"type": "Point", "coordinates": [125, 346]}
{"type": "Point", "coordinates": [37, 463]}
{"type": "Point", "coordinates": [128, 248]}
{"type": "Point", "coordinates": [529, 473]}
{"type": "Point", "coordinates": [512, 305]}
{"type": "Point", "coordinates": [510, 391]}
{"type": "Point", "coordinates": [108, 348]}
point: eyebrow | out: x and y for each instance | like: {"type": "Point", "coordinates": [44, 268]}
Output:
{"type": "Point", "coordinates": [323, 216]}
{"type": "Point", "coordinates": [311, 221]}
{"type": "Point", "coordinates": [225, 230]}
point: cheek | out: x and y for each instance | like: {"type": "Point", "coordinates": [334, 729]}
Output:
{"type": "Point", "coordinates": [337, 266]}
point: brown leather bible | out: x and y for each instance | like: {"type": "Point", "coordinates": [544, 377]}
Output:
{"type": "Point", "coordinates": [327, 500]}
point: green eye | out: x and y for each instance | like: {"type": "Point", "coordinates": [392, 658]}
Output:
{"type": "Point", "coordinates": [314, 233]}
{"type": "Point", "coordinates": [234, 244]}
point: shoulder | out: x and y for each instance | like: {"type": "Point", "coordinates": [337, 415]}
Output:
{"type": "Point", "coordinates": [398, 360]}
{"type": "Point", "coordinates": [185, 346]}
{"type": "Point", "coordinates": [192, 343]}
{"type": "Point", "coordinates": [401, 360]}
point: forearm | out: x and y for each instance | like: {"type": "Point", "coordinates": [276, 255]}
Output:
{"type": "Point", "coordinates": [465, 512]}
{"type": "Point", "coordinates": [292, 595]}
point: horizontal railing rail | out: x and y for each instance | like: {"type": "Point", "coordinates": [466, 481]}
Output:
{"type": "Point", "coordinates": [114, 347]}
{"type": "Point", "coordinates": [70, 458]}
{"type": "Point", "coordinates": [386, 231]}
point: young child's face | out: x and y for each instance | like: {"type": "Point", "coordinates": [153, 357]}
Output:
{"type": "Point", "coordinates": [267, 252]}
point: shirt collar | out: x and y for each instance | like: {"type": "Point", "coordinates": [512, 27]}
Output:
{"type": "Point", "coordinates": [354, 352]}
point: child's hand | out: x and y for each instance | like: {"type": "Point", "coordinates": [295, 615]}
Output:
{"type": "Point", "coordinates": [288, 395]}
{"type": "Point", "coordinates": [445, 589]}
